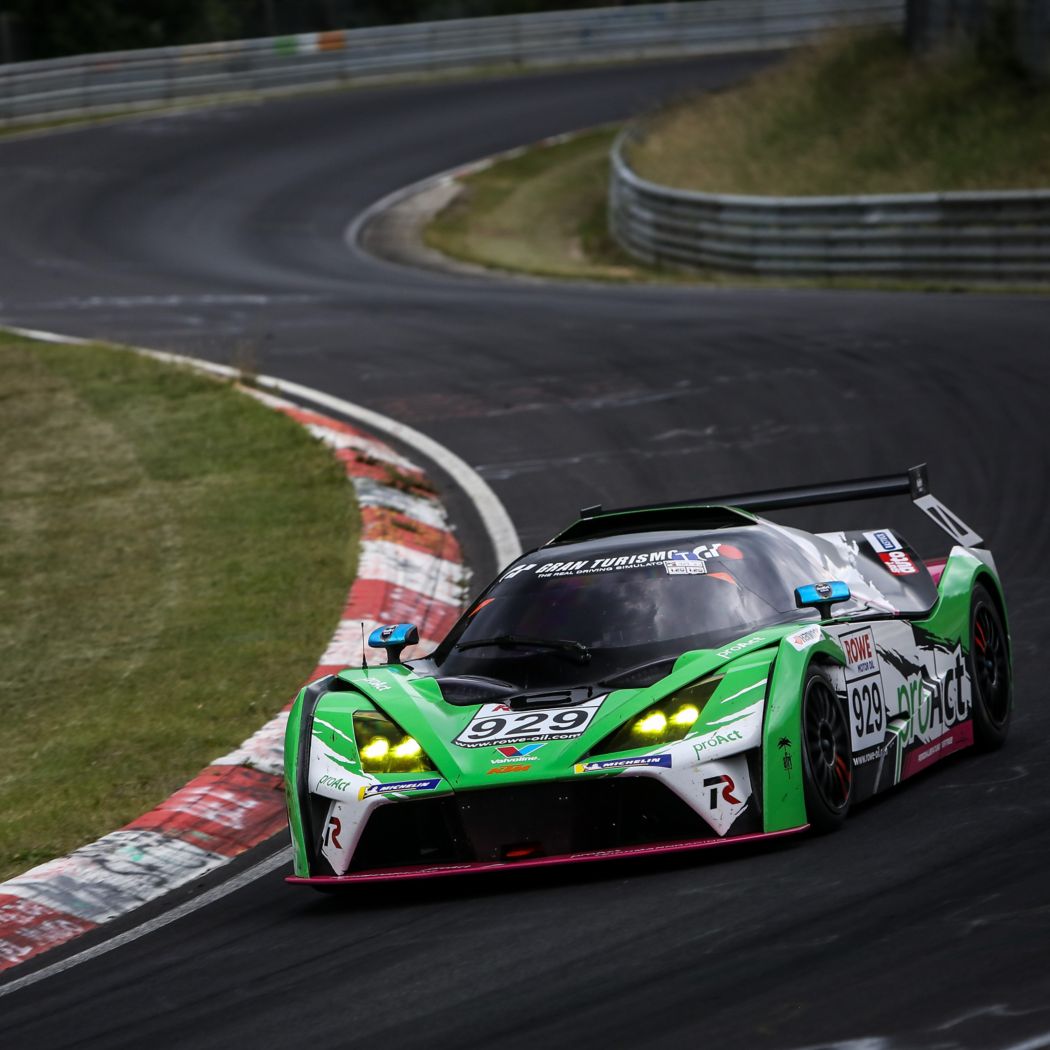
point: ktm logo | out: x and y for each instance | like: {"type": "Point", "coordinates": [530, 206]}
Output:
{"type": "Point", "coordinates": [725, 782]}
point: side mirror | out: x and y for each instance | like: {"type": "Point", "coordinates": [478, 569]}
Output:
{"type": "Point", "coordinates": [393, 638]}
{"type": "Point", "coordinates": [822, 596]}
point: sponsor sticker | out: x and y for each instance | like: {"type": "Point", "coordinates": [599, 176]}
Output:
{"type": "Point", "coordinates": [499, 725]}
{"type": "Point", "coordinates": [398, 785]}
{"type": "Point", "coordinates": [879, 752]}
{"type": "Point", "coordinates": [511, 754]}
{"type": "Point", "coordinates": [898, 562]}
{"type": "Point", "coordinates": [802, 640]}
{"type": "Point", "coordinates": [861, 658]}
{"type": "Point", "coordinates": [685, 568]}
{"type": "Point", "coordinates": [882, 541]}
{"type": "Point", "coordinates": [335, 783]}
{"type": "Point", "coordinates": [730, 736]}
{"type": "Point", "coordinates": [623, 763]}
{"type": "Point", "coordinates": [933, 707]}
{"type": "Point", "coordinates": [949, 743]}
{"type": "Point", "coordinates": [520, 767]}
{"type": "Point", "coordinates": [738, 647]}
{"type": "Point", "coordinates": [645, 559]}
{"type": "Point", "coordinates": [864, 689]}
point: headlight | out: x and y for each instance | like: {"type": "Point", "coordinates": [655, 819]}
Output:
{"type": "Point", "coordinates": [386, 748]}
{"type": "Point", "coordinates": [665, 722]}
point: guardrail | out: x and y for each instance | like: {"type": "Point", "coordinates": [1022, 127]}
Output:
{"type": "Point", "coordinates": [985, 236]}
{"type": "Point", "coordinates": [120, 80]}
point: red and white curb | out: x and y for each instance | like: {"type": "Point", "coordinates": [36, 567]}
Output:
{"type": "Point", "coordinates": [410, 569]}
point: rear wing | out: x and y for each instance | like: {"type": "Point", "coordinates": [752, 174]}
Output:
{"type": "Point", "coordinates": [914, 483]}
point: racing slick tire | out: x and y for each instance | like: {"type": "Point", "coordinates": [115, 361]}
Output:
{"type": "Point", "coordinates": [827, 757]}
{"type": "Point", "coordinates": [989, 660]}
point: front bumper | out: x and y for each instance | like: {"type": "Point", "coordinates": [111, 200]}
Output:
{"type": "Point", "coordinates": [482, 867]}
{"type": "Point", "coordinates": [542, 823]}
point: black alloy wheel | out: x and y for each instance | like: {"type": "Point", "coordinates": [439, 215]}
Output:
{"type": "Point", "coordinates": [990, 676]}
{"type": "Point", "coordinates": [827, 753]}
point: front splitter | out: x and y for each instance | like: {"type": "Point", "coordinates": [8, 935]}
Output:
{"type": "Point", "coordinates": [481, 867]}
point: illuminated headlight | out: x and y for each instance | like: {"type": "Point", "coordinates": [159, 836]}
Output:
{"type": "Point", "coordinates": [386, 748]}
{"type": "Point", "coordinates": [665, 722]}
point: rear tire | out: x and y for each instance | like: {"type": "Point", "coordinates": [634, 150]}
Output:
{"type": "Point", "coordinates": [827, 754]}
{"type": "Point", "coordinates": [991, 687]}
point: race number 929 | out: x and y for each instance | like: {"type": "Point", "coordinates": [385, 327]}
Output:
{"type": "Point", "coordinates": [499, 724]}
{"type": "Point", "coordinates": [869, 714]}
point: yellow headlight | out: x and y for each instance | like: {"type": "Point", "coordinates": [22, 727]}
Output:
{"type": "Point", "coordinates": [375, 750]}
{"type": "Point", "coordinates": [667, 721]}
{"type": "Point", "coordinates": [651, 724]}
{"type": "Point", "coordinates": [386, 748]}
{"type": "Point", "coordinates": [686, 715]}
{"type": "Point", "coordinates": [408, 748]}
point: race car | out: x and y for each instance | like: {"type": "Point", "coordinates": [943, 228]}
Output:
{"type": "Point", "coordinates": [654, 679]}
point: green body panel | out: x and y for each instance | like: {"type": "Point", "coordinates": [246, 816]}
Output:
{"type": "Point", "coordinates": [783, 801]}
{"type": "Point", "coordinates": [414, 703]}
{"type": "Point", "coordinates": [950, 617]}
{"type": "Point", "coordinates": [291, 793]}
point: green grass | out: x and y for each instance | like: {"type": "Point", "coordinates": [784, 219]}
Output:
{"type": "Point", "coordinates": [542, 212]}
{"type": "Point", "coordinates": [173, 559]}
{"type": "Point", "coordinates": [857, 114]}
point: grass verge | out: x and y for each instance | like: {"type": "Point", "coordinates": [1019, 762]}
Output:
{"type": "Point", "coordinates": [541, 212]}
{"type": "Point", "coordinates": [857, 114]}
{"type": "Point", "coordinates": [173, 559]}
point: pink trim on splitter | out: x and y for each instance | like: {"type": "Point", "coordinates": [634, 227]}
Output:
{"type": "Point", "coordinates": [481, 867]}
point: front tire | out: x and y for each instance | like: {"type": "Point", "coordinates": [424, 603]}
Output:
{"type": "Point", "coordinates": [827, 755]}
{"type": "Point", "coordinates": [991, 684]}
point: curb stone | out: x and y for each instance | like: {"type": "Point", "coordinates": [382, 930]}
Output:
{"type": "Point", "coordinates": [410, 568]}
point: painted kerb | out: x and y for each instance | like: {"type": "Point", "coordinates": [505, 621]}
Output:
{"type": "Point", "coordinates": [410, 568]}
{"type": "Point", "coordinates": [984, 236]}
{"type": "Point", "coordinates": [103, 83]}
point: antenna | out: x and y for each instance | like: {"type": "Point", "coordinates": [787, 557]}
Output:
{"type": "Point", "coordinates": [364, 662]}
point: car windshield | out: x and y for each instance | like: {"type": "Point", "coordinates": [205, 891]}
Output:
{"type": "Point", "coordinates": [581, 613]}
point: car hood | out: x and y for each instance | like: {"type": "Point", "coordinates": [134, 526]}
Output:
{"type": "Point", "coordinates": [414, 701]}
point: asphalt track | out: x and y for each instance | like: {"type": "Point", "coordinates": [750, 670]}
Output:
{"type": "Point", "coordinates": [925, 923]}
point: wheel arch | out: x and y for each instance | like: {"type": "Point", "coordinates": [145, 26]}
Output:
{"type": "Point", "coordinates": [783, 802]}
{"type": "Point", "coordinates": [994, 587]}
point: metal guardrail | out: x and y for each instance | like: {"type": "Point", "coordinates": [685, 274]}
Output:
{"type": "Point", "coordinates": [984, 236]}
{"type": "Point", "coordinates": [120, 80]}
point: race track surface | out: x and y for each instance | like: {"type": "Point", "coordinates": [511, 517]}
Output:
{"type": "Point", "coordinates": [926, 922]}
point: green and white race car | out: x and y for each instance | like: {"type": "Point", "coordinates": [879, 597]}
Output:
{"type": "Point", "coordinates": [655, 679]}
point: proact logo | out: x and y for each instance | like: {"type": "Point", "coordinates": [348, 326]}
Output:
{"type": "Point", "coordinates": [717, 739]}
{"type": "Point", "coordinates": [738, 647]}
{"type": "Point", "coordinates": [935, 707]}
